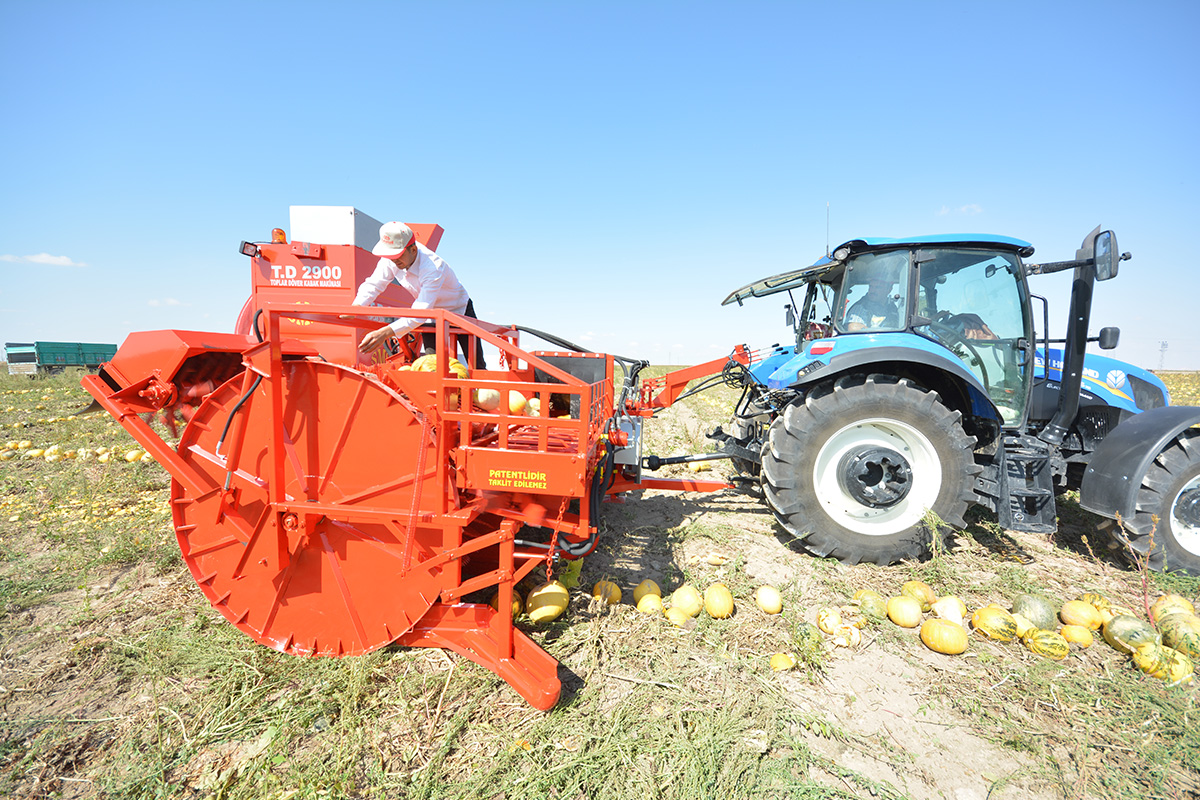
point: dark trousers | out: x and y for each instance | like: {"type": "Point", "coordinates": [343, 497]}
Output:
{"type": "Point", "coordinates": [430, 340]}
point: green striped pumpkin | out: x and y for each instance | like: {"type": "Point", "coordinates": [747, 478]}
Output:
{"type": "Point", "coordinates": [1037, 609]}
{"type": "Point", "coordinates": [1164, 663]}
{"type": "Point", "coordinates": [1126, 633]}
{"type": "Point", "coordinates": [1047, 644]}
{"type": "Point", "coordinates": [995, 623]}
{"type": "Point", "coordinates": [1182, 632]}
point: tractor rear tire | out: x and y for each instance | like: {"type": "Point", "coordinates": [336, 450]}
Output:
{"type": "Point", "coordinates": [1170, 491]}
{"type": "Point", "coordinates": [852, 471]}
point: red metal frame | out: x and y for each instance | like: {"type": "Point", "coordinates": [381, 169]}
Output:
{"type": "Point", "coordinates": [328, 505]}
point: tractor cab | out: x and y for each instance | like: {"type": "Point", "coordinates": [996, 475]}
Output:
{"type": "Point", "coordinates": [972, 300]}
{"type": "Point", "coordinates": [964, 296]}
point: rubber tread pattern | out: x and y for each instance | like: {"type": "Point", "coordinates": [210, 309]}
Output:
{"type": "Point", "coordinates": [800, 431]}
{"type": "Point", "coordinates": [1175, 466]}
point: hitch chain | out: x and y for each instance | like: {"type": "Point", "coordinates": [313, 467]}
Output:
{"type": "Point", "coordinates": [553, 551]}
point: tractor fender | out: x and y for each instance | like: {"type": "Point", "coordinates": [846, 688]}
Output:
{"type": "Point", "coordinates": [867, 357]}
{"type": "Point", "coordinates": [1115, 471]}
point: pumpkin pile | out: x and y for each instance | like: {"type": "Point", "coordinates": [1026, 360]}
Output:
{"type": "Point", "coordinates": [25, 449]}
{"type": "Point", "coordinates": [1163, 649]}
{"type": "Point", "coordinates": [686, 602]}
{"type": "Point", "coordinates": [1165, 653]}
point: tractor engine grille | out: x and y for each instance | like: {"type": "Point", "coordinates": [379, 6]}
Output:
{"type": "Point", "coordinates": [1094, 423]}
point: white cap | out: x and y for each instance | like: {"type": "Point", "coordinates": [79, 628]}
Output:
{"type": "Point", "coordinates": [394, 237]}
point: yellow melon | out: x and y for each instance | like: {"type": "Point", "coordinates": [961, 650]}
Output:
{"type": "Point", "coordinates": [718, 601]}
{"type": "Point", "coordinates": [547, 601]}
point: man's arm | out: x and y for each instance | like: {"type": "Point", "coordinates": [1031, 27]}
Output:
{"type": "Point", "coordinates": [376, 283]}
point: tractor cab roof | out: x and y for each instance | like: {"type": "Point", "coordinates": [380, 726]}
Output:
{"type": "Point", "coordinates": [828, 267]}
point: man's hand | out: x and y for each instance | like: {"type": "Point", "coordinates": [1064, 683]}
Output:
{"type": "Point", "coordinates": [981, 332]}
{"type": "Point", "coordinates": [375, 339]}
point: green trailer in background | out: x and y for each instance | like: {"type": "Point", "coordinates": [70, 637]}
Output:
{"type": "Point", "coordinates": [30, 358]}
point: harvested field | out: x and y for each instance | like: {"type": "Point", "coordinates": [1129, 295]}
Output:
{"type": "Point", "coordinates": [117, 680]}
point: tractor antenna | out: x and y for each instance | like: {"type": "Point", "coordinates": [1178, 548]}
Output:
{"type": "Point", "coordinates": [827, 228]}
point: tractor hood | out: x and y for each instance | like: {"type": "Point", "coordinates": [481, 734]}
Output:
{"type": "Point", "coordinates": [828, 264]}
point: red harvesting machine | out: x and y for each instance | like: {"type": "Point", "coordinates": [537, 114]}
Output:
{"type": "Point", "coordinates": [328, 504]}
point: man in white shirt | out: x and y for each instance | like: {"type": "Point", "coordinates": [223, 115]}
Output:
{"type": "Point", "coordinates": [417, 268]}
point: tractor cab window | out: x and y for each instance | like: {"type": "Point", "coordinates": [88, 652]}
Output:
{"type": "Point", "coordinates": [973, 302]}
{"type": "Point", "coordinates": [874, 293]}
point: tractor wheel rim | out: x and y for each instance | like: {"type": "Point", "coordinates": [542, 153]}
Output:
{"type": "Point", "coordinates": [876, 477]}
{"type": "Point", "coordinates": [1185, 516]}
{"type": "Point", "coordinates": [854, 493]}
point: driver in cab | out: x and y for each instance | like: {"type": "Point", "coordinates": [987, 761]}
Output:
{"type": "Point", "coordinates": [877, 308]}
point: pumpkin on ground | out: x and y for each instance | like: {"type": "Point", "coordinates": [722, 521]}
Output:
{"type": "Point", "coordinates": [677, 616]}
{"type": "Point", "coordinates": [1182, 632]}
{"type": "Point", "coordinates": [718, 601]}
{"type": "Point", "coordinates": [872, 605]}
{"type": "Point", "coordinates": [609, 591]}
{"type": "Point", "coordinates": [1117, 611]}
{"type": "Point", "coordinates": [546, 601]}
{"type": "Point", "coordinates": [905, 611]}
{"type": "Point", "coordinates": [920, 590]}
{"type": "Point", "coordinates": [769, 599]}
{"type": "Point", "coordinates": [807, 637]}
{"type": "Point", "coordinates": [1170, 604]}
{"type": "Point", "coordinates": [846, 636]}
{"type": "Point", "coordinates": [687, 600]}
{"type": "Point", "coordinates": [829, 619]}
{"type": "Point", "coordinates": [949, 608]}
{"type": "Point", "coordinates": [1126, 633]}
{"type": "Point", "coordinates": [1097, 601]}
{"type": "Point", "coordinates": [1077, 634]}
{"type": "Point", "coordinates": [645, 587]}
{"type": "Point", "coordinates": [1037, 609]}
{"type": "Point", "coordinates": [781, 662]}
{"type": "Point", "coordinates": [944, 636]}
{"type": "Point", "coordinates": [1078, 612]}
{"type": "Point", "coordinates": [1164, 663]}
{"type": "Point", "coordinates": [1047, 644]}
{"type": "Point", "coordinates": [995, 623]}
{"type": "Point", "coordinates": [650, 604]}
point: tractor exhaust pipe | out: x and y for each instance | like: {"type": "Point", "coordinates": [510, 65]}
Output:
{"type": "Point", "coordinates": [1073, 352]}
{"type": "Point", "coordinates": [1096, 260]}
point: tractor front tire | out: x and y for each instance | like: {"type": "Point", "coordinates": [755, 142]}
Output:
{"type": "Point", "coordinates": [1170, 494]}
{"type": "Point", "coordinates": [852, 471]}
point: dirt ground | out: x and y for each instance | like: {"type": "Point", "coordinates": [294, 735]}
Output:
{"type": "Point", "coordinates": [926, 749]}
{"type": "Point", "coordinates": [887, 699]}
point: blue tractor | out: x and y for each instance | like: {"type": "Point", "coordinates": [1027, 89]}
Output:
{"type": "Point", "coordinates": [923, 379]}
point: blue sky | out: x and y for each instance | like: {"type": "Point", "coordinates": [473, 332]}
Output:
{"type": "Point", "coordinates": [607, 172]}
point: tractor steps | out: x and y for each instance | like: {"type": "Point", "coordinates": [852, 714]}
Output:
{"type": "Point", "coordinates": [1026, 486]}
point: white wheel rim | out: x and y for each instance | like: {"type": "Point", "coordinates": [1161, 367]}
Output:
{"type": "Point", "coordinates": [1187, 536]}
{"type": "Point", "coordinates": [892, 434]}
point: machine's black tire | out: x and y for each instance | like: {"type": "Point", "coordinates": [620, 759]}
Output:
{"type": "Point", "coordinates": [811, 443]}
{"type": "Point", "coordinates": [1173, 477]}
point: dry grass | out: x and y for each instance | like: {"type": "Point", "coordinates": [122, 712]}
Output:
{"type": "Point", "coordinates": [119, 681]}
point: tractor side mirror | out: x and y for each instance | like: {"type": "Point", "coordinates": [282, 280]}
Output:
{"type": "Point", "coordinates": [1109, 338]}
{"type": "Point", "coordinates": [1107, 259]}
{"type": "Point", "coordinates": [790, 316]}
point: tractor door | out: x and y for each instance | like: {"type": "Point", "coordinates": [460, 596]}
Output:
{"type": "Point", "coordinates": [975, 303]}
